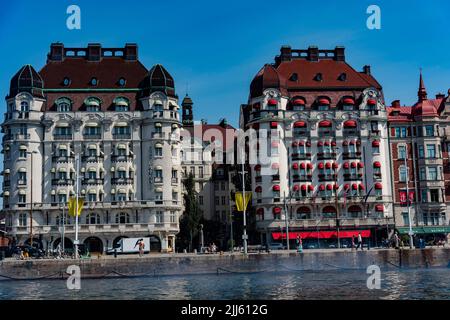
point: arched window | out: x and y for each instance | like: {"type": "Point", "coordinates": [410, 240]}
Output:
{"type": "Point", "coordinates": [93, 218]}
{"type": "Point", "coordinates": [63, 105]}
{"type": "Point", "coordinates": [355, 212]}
{"type": "Point", "coordinates": [121, 104]}
{"type": "Point", "coordinates": [24, 106]}
{"type": "Point", "coordinates": [92, 104]}
{"type": "Point", "coordinates": [122, 218]}
{"type": "Point", "coordinates": [329, 212]}
{"type": "Point", "coordinates": [303, 213]}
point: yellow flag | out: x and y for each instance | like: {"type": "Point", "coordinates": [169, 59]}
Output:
{"type": "Point", "coordinates": [73, 206]}
{"type": "Point", "coordinates": [240, 203]}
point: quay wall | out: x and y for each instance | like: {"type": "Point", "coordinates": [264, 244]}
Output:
{"type": "Point", "coordinates": [179, 264]}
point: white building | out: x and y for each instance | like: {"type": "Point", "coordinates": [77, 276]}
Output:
{"type": "Point", "coordinates": [103, 107]}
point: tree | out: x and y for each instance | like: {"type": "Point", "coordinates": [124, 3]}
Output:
{"type": "Point", "coordinates": [190, 221]}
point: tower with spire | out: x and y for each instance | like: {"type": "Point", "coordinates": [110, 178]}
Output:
{"type": "Point", "coordinates": [188, 115]}
{"type": "Point", "coordinates": [422, 93]}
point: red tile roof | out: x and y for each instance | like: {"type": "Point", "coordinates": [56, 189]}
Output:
{"type": "Point", "coordinates": [399, 114]}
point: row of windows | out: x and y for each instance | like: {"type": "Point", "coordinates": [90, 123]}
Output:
{"type": "Point", "coordinates": [420, 131]}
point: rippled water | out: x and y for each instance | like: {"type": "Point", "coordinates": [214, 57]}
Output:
{"type": "Point", "coordinates": [404, 284]}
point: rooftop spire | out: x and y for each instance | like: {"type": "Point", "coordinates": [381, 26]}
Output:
{"type": "Point", "coordinates": [422, 93]}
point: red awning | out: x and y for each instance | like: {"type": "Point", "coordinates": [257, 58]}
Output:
{"type": "Point", "coordinates": [298, 102]}
{"type": "Point", "coordinates": [260, 211]}
{"type": "Point", "coordinates": [329, 187]}
{"type": "Point", "coordinates": [296, 187]}
{"type": "Point", "coordinates": [258, 167]}
{"type": "Point", "coordinates": [325, 123]}
{"type": "Point", "coordinates": [276, 210]}
{"type": "Point", "coordinates": [324, 101]}
{"type": "Point", "coordinates": [327, 143]}
{"type": "Point", "coordinates": [346, 186]}
{"type": "Point", "coordinates": [301, 143]}
{"type": "Point", "coordinates": [321, 165]}
{"type": "Point", "coordinates": [378, 186]}
{"type": "Point", "coordinates": [300, 124]}
{"type": "Point", "coordinates": [361, 165]}
{"type": "Point", "coordinates": [361, 187]}
{"type": "Point", "coordinates": [376, 143]}
{"type": "Point", "coordinates": [311, 188]}
{"type": "Point", "coordinates": [322, 187]}
{"type": "Point", "coordinates": [358, 142]}
{"type": "Point", "coordinates": [352, 142]}
{"type": "Point", "coordinates": [321, 234]}
{"type": "Point", "coordinates": [333, 144]}
{"type": "Point", "coordinates": [328, 165]}
{"type": "Point", "coordinates": [320, 143]}
{"type": "Point", "coordinates": [276, 187]}
{"type": "Point", "coordinates": [272, 102]}
{"type": "Point", "coordinates": [258, 189]}
{"type": "Point", "coordinates": [377, 164]}
{"type": "Point", "coordinates": [304, 187]}
{"type": "Point", "coordinates": [349, 101]}
{"type": "Point", "coordinates": [372, 102]}
{"type": "Point", "coordinates": [295, 166]}
{"type": "Point", "coordinates": [335, 165]}
{"type": "Point", "coordinates": [354, 186]}
{"type": "Point", "coordinates": [346, 165]}
{"type": "Point", "coordinates": [275, 166]}
{"type": "Point", "coordinates": [379, 208]}
{"type": "Point", "coordinates": [295, 144]}
{"type": "Point", "coordinates": [353, 164]}
{"type": "Point", "coordinates": [273, 124]}
{"type": "Point", "coordinates": [350, 124]}
{"type": "Point", "coordinates": [345, 143]}
{"type": "Point", "coordinates": [308, 144]}
{"type": "Point", "coordinates": [303, 166]}
{"type": "Point", "coordinates": [310, 166]}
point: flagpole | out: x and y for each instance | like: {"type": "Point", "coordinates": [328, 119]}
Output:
{"type": "Point", "coordinates": [244, 237]}
{"type": "Point", "coordinates": [77, 160]}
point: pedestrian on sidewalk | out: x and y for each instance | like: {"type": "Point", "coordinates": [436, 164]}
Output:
{"type": "Point", "coordinates": [360, 244]}
{"type": "Point", "coordinates": [353, 242]}
{"type": "Point", "coordinates": [396, 240]}
{"type": "Point", "coordinates": [141, 248]}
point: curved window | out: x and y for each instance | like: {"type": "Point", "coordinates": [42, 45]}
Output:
{"type": "Point", "coordinates": [93, 218]}
{"type": "Point", "coordinates": [329, 212]}
{"type": "Point", "coordinates": [121, 104]}
{"type": "Point", "coordinates": [66, 82]}
{"type": "Point", "coordinates": [92, 104]}
{"type": "Point", "coordinates": [355, 212]}
{"type": "Point", "coordinates": [122, 82]}
{"type": "Point", "coordinates": [94, 82]}
{"type": "Point", "coordinates": [63, 105]}
{"type": "Point", "coordinates": [24, 106]}
{"type": "Point", "coordinates": [303, 213]}
{"type": "Point", "coordinates": [122, 218]}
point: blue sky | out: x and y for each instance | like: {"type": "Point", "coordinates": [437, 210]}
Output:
{"type": "Point", "coordinates": [214, 48]}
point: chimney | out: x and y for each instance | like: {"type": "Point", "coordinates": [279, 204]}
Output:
{"type": "Point", "coordinates": [339, 53]}
{"type": "Point", "coordinates": [56, 52]}
{"type": "Point", "coordinates": [94, 52]}
{"type": "Point", "coordinates": [440, 96]}
{"type": "Point", "coordinates": [131, 51]}
{"type": "Point", "coordinates": [286, 53]}
{"type": "Point", "coordinates": [396, 104]}
{"type": "Point", "coordinates": [313, 53]}
{"type": "Point", "coordinates": [366, 70]}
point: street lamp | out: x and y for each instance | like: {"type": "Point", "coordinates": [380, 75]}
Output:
{"type": "Point", "coordinates": [31, 195]}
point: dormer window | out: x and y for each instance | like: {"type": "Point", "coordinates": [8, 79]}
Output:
{"type": "Point", "coordinates": [63, 105]}
{"type": "Point", "coordinates": [318, 77]}
{"type": "Point", "coordinates": [94, 82]}
{"type": "Point", "coordinates": [323, 104]}
{"type": "Point", "coordinates": [342, 77]}
{"type": "Point", "coordinates": [294, 77]}
{"type": "Point", "coordinates": [92, 104]}
{"type": "Point", "coordinates": [66, 82]}
{"type": "Point", "coordinates": [348, 104]}
{"type": "Point", "coordinates": [122, 82]}
{"type": "Point", "coordinates": [121, 104]}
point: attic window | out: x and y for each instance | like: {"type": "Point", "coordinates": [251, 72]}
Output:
{"type": "Point", "coordinates": [66, 82]}
{"type": "Point", "coordinates": [294, 77]}
{"type": "Point", "coordinates": [94, 82]}
{"type": "Point", "coordinates": [318, 77]}
{"type": "Point", "coordinates": [343, 77]}
{"type": "Point", "coordinates": [122, 82]}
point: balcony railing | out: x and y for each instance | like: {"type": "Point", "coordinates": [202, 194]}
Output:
{"type": "Point", "coordinates": [92, 136]}
{"type": "Point", "coordinates": [326, 177]}
{"type": "Point", "coordinates": [63, 158]}
{"type": "Point", "coordinates": [351, 155]}
{"type": "Point", "coordinates": [122, 181]}
{"type": "Point", "coordinates": [352, 176]}
{"type": "Point", "coordinates": [119, 136]}
{"type": "Point", "coordinates": [301, 177]}
{"type": "Point", "coordinates": [57, 136]}
{"type": "Point", "coordinates": [96, 181]}
{"type": "Point", "coordinates": [121, 158]}
{"type": "Point", "coordinates": [63, 182]}
{"type": "Point", "coordinates": [21, 182]}
{"type": "Point", "coordinates": [20, 136]}
{"type": "Point", "coordinates": [326, 155]}
{"type": "Point", "coordinates": [87, 158]}
{"type": "Point", "coordinates": [301, 156]}
{"type": "Point", "coordinates": [158, 180]}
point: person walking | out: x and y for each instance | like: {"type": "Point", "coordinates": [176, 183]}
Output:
{"type": "Point", "coordinates": [353, 242]}
{"type": "Point", "coordinates": [360, 244]}
{"type": "Point", "coordinates": [396, 241]}
{"type": "Point", "coordinates": [141, 248]}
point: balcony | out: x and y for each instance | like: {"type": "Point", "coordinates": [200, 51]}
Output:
{"type": "Point", "coordinates": [122, 181]}
{"type": "Point", "coordinates": [121, 136]}
{"type": "Point", "coordinates": [158, 180]}
{"type": "Point", "coordinates": [92, 136]}
{"type": "Point", "coordinates": [62, 137]}
{"type": "Point", "coordinates": [20, 136]}
{"type": "Point", "coordinates": [352, 176]}
{"type": "Point", "coordinates": [21, 182]}
{"type": "Point", "coordinates": [301, 178]}
{"type": "Point", "coordinates": [88, 158]}
{"type": "Point", "coordinates": [301, 156]}
{"type": "Point", "coordinates": [326, 155]}
{"type": "Point", "coordinates": [121, 158]}
{"type": "Point", "coordinates": [65, 159]}
{"type": "Point", "coordinates": [327, 177]}
{"type": "Point", "coordinates": [159, 135]}
{"type": "Point", "coordinates": [63, 182]}
{"type": "Point", "coordinates": [94, 181]}
{"type": "Point", "coordinates": [351, 155]}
